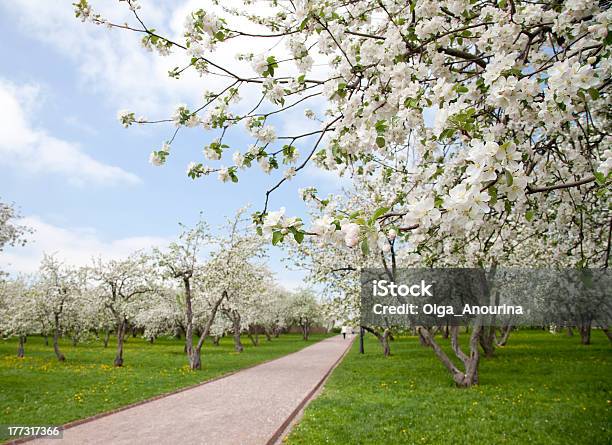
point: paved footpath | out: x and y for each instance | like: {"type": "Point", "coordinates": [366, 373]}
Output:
{"type": "Point", "coordinates": [247, 407]}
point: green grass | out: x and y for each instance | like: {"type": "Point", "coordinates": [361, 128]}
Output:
{"type": "Point", "coordinates": [38, 390]}
{"type": "Point", "coordinates": [539, 389]}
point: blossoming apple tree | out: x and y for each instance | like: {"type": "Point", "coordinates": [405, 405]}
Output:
{"type": "Point", "coordinates": [181, 262]}
{"type": "Point", "coordinates": [485, 105]}
{"type": "Point", "coordinates": [121, 284]}
{"type": "Point", "coordinates": [59, 291]}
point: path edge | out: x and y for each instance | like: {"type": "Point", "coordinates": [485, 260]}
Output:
{"type": "Point", "coordinates": [286, 427]}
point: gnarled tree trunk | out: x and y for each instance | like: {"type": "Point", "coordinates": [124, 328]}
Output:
{"type": "Point", "coordinates": [236, 328]}
{"type": "Point", "coordinates": [21, 348]}
{"type": "Point", "coordinates": [107, 337]}
{"type": "Point", "coordinates": [469, 375]}
{"type": "Point", "coordinates": [253, 336]}
{"type": "Point", "coordinates": [195, 361]}
{"type": "Point", "coordinates": [504, 335]}
{"type": "Point", "coordinates": [120, 339]}
{"type": "Point", "coordinates": [585, 332]}
{"type": "Point", "coordinates": [56, 335]}
{"type": "Point", "coordinates": [188, 316]}
{"type": "Point", "coordinates": [382, 338]}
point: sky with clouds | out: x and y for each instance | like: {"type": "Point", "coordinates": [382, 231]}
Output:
{"type": "Point", "coordinates": [79, 179]}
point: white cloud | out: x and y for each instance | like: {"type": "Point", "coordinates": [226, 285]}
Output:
{"type": "Point", "coordinates": [34, 150]}
{"type": "Point", "coordinates": [113, 63]}
{"type": "Point", "coordinates": [73, 245]}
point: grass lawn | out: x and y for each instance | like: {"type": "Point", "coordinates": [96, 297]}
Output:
{"type": "Point", "coordinates": [38, 390]}
{"type": "Point", "coordinates": [539, 389]}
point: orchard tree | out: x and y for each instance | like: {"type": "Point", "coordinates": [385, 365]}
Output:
{"type": "Point", "coordinates": [180, 262]}
{"type": "Point", "coordinates": [121, 284]}
{"type": "Point", "coordinates": [304, 310]}
{"type": "Point", "coordinates": [17, 306]}
{"type": "Point", "coordinates": [234, 272]}
{"type": "Point", "coordinates": [272, 311]}
{"type": "Point", "coordinates": [471, 109]}
{"type": "Point", "coordinates": [59, 290]}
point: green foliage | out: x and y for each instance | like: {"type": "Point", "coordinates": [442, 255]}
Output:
{"type": "Point", "coordinates": [539, 389]}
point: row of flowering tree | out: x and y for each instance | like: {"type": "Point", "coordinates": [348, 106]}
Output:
{"type": "Point", "coordinates": [203, 284]}
{"type": "Point", "coordinates": [476, 133]}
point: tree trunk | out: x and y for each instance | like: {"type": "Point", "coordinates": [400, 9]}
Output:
{"type": "Point", "coordinates": [236, 327]}
{"type": "Point", "coordinates": [21, 348]}
{"type": "Point", "coordinates": [570, 331]}
{"type": "Point", "coordinates": [607, 332]}
{"type": "Point", "coordinates": [46, 340]}
{"type": "Point", "coordinates": [56, 335]}
{"type": "Point", "coordinates": [188, 317]}
{"type": "Point", "coordinates": [268, 336]}
{"type": "Point", "coordinates": [487, 340]}
{"type": "Point", "coordinates": [194, 359]}
{"type": "Point", "coordinates": [254, 336]}
{"type": "Point", "coordinates": [216, 339]}
{"type": "Point", "coordinates": [463, 379]}
{"type": "Point", "coordinates": [505, 333]}
{"type": "Point", "coordinates": [107, 338]}
{"type": "Point", "coordinates": [423, 339]}
{"type": "Point", "coordinates": [75, 340]}
{"type": "Point", "coordinates": [383, 339]}
{"type": "Point", "coordinates": [585, 333]}
{"type": "Point", "coordinates": [446, 332]}
{"type": "Point", "coordinates": [120, 339]}
{"type": "Point", "coordinates": [305, 332]}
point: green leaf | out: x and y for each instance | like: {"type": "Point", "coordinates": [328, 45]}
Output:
{"type": "Point", "coordinates": [380, 141]}
{"type": "Point", "coordinates": [381, 126]}
{"type": "Point", "coordinates": [594, 93]}
{"type": "Point", "coordinates": [493, 194]}
{"type": "Point", "coordinates": [508, 206]}
{"type": "Point", "coordinates": [276, 237]}
{"type": "Point", "coordinates": [600, 178]}
{"type": "Point", "coordinates": [529, 215]}
{"type": "Point", "coordinates": [365, 249]}
{"type": "Point", "coordinates": [447, 133]}
{"type": "Point", "coordinates": [298, 236]}
{"type": "Point", "coordinates": [379, 212]}
{"type": "Point", "coordinates": [509, 178]}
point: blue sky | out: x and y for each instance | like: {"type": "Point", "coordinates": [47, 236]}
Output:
{"type": "Point", "coordinates": [81, 180]}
